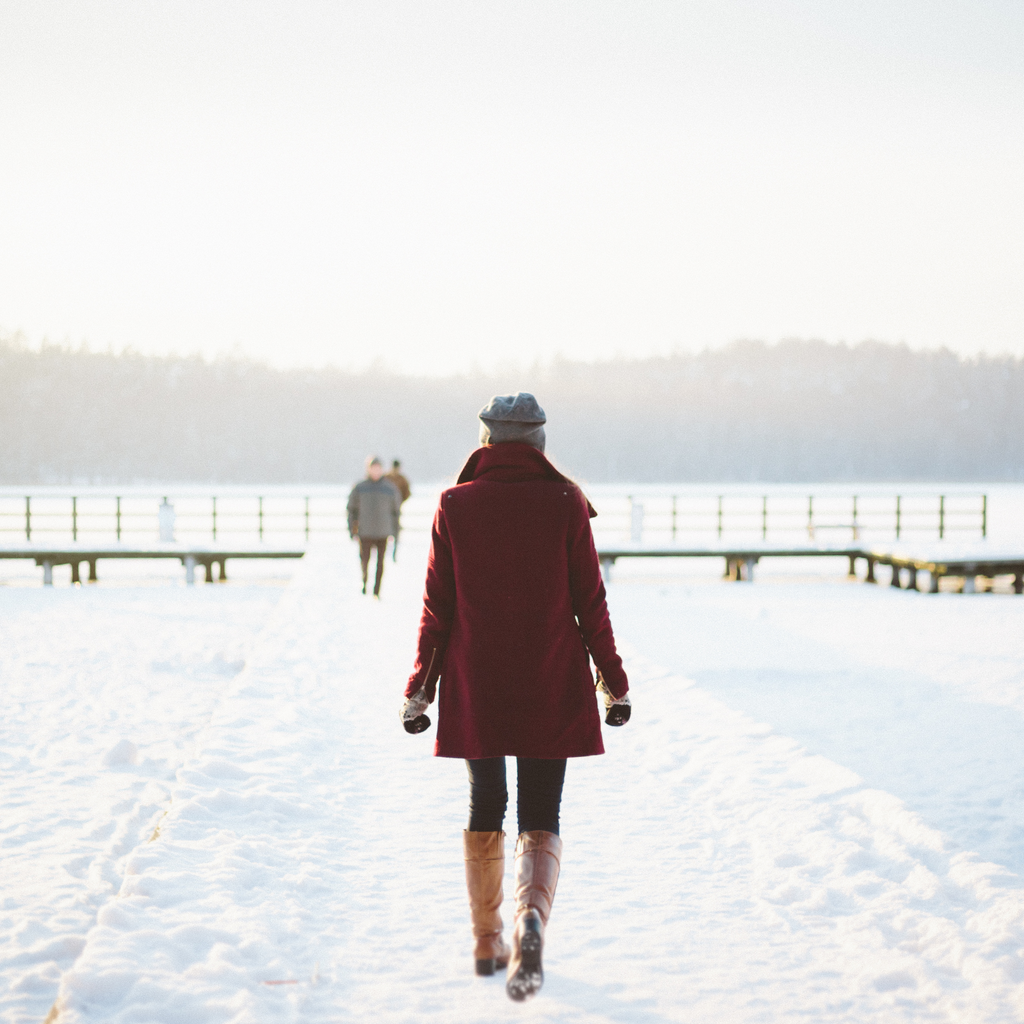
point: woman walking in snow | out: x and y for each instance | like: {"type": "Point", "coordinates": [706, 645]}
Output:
{"type": "Point", "coordinates": [513, 611]}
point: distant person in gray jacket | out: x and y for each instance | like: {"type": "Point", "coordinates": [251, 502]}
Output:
{"type": "Point", "coordinates": [373, 509]}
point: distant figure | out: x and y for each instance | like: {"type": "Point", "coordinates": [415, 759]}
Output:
{"type": "Point", "coordinates": [396, 477]}
{"type": "Point", "coordinates": [373, 509]}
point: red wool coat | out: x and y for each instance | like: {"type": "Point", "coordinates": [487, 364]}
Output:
{"type": "Point", "coordinates": [514, 604]}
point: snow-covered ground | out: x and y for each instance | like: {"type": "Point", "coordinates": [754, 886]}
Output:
{"type": "Point", "coordinates": [814, 814]}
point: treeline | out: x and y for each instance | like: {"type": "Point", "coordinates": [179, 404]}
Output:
{"type": "Point", "coordinates": [796, 411]}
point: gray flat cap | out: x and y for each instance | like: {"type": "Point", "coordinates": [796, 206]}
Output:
{"type": "Point", "coordinates": [513, 418]}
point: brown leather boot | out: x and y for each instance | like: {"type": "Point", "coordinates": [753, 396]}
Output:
{"type": "Point", "coordinates": [484, 853]}
{"type": "Point", "coordinates": [538, 857]}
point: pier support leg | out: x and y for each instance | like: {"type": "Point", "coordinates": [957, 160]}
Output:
{"type": "Point", "coordinates": [606, 569]}
{"type": "Point", "coordinates": [933, 587]}
{"type": "Point", "coordinates": [208, 571]}
{"type": "Point", "coordinates": [47, 574]}
{"type": "Point", "coordinates": [911, 578]}
{"type": "Point", "coordinates": [1018, 583]}
{"type": "Point", "coordinates": [190, 571]}
{"type": "Point", "coordinates": [751, 562]}
{"type": "Point", "coordinates": [870, 578]}
{"type": "Point", "coordinates": [75, 578]}
{"type": "Point", "coordinates": [895, 582]}
{"type": "Point", "coordinates": [223, 577]}
{"type": "Point", "coordinates": [93, 578]}
{"type": "Point", "coordinates": [852, 574]}
{"type": "Point", "coordinates": [727, 575]}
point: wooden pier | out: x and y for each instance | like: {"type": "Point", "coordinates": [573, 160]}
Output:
{"type": "Point", "coordinates": [190, 558]}
{"type": "Point", "coordinates": [740, 563]}
{"type": "Point", "coordinates": [967, 569]}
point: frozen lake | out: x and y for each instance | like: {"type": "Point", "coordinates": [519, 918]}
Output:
{"type": "Point", "coordinates": [814, 814]}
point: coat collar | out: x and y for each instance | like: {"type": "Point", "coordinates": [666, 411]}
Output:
{"type": "Point", "coordinates": [512, 462]}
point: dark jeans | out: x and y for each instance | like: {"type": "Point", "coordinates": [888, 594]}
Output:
{"type": "Point", "coordinates": [366, 545]}
{"type": "Point", "coordinates": [539, 797]}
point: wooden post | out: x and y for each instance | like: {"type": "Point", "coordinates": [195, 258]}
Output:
{"type": "Point", "coordinates": [898, 509]}
{"type": "Point", "coordinates": [223, 577]}
{"type": "Point", "coordinates": [215, 517]}
{"type": "Point", "coordinates": [933, 587]}
{"type": "Point", "coordinates": [28, 519]}
{"type": "Point", "coordinates": [942, 516]}
{"type": "Point", "coordinates": [853, 567]}
{"type": "Point", "coordinates": [636, 521]}
{"type": "Point", "coordinates": [911, 577]}
{"type": "Point", "coordinates": [719, 517]}
{"type": "Point", "coordinates": [74, 518]}
{"type": "Point", "coordinates": [93, 578]}
{"type": "Point", "coordinates": [75, 578]}
{"type": "Point", "coordinates": [1018, 583]}
{"type": "Point", "coordinates": [764, 517]}
{"type": "Point", "coordinates": [118, 500]}
{"type": "Point", "coordinates": [984, 516]}
{"type": "Point", "coordinates": [870, 578]}
{"type": "Point", "coordinates": [895, 582]}
{"type": "Point", "coordinates": [970, 574]}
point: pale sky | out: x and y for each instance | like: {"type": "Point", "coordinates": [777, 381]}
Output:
{"type": "Point", "coordinates": [441, 183]}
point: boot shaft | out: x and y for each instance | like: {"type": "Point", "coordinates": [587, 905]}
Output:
{"type": "Point", "coordinates": [484, 856]}
{"type": "Point", "coordinates": [538, 860]}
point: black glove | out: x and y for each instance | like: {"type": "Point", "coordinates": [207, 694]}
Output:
{"type": "Point", "coordinates": [616, 712]}
{"type": "Point", "coordinates": [413, 718]}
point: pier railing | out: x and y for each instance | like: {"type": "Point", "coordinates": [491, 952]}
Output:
{"type": "Point", "coordinates": [640, 518]}
{"type": "Point", "coordinates": [138, 517]}
{"type": "Point", "coordinates": [673, 518]}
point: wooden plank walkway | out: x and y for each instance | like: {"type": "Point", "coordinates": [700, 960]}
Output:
{"type": "Point", "coordinates": [190, 557]}
{"type": "Point", "coordinates": [969, 569]}
{"type": "Point", "coordinates": [740, 563]}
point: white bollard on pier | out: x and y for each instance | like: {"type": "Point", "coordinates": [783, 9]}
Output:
{"type": "Point", "coordinates": [165, 517]}
{"type": "Point", "coordinates": [636, 521]}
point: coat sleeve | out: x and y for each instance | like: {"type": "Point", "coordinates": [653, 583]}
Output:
{"type": "Point", "coordinates": [353, 510]}
{"type": "Point", "coordinates": [396, 511]}
{"type": "Point", "coordinates": [590, 604]}
{"type": "Point", "coordinates": [438, 610]}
